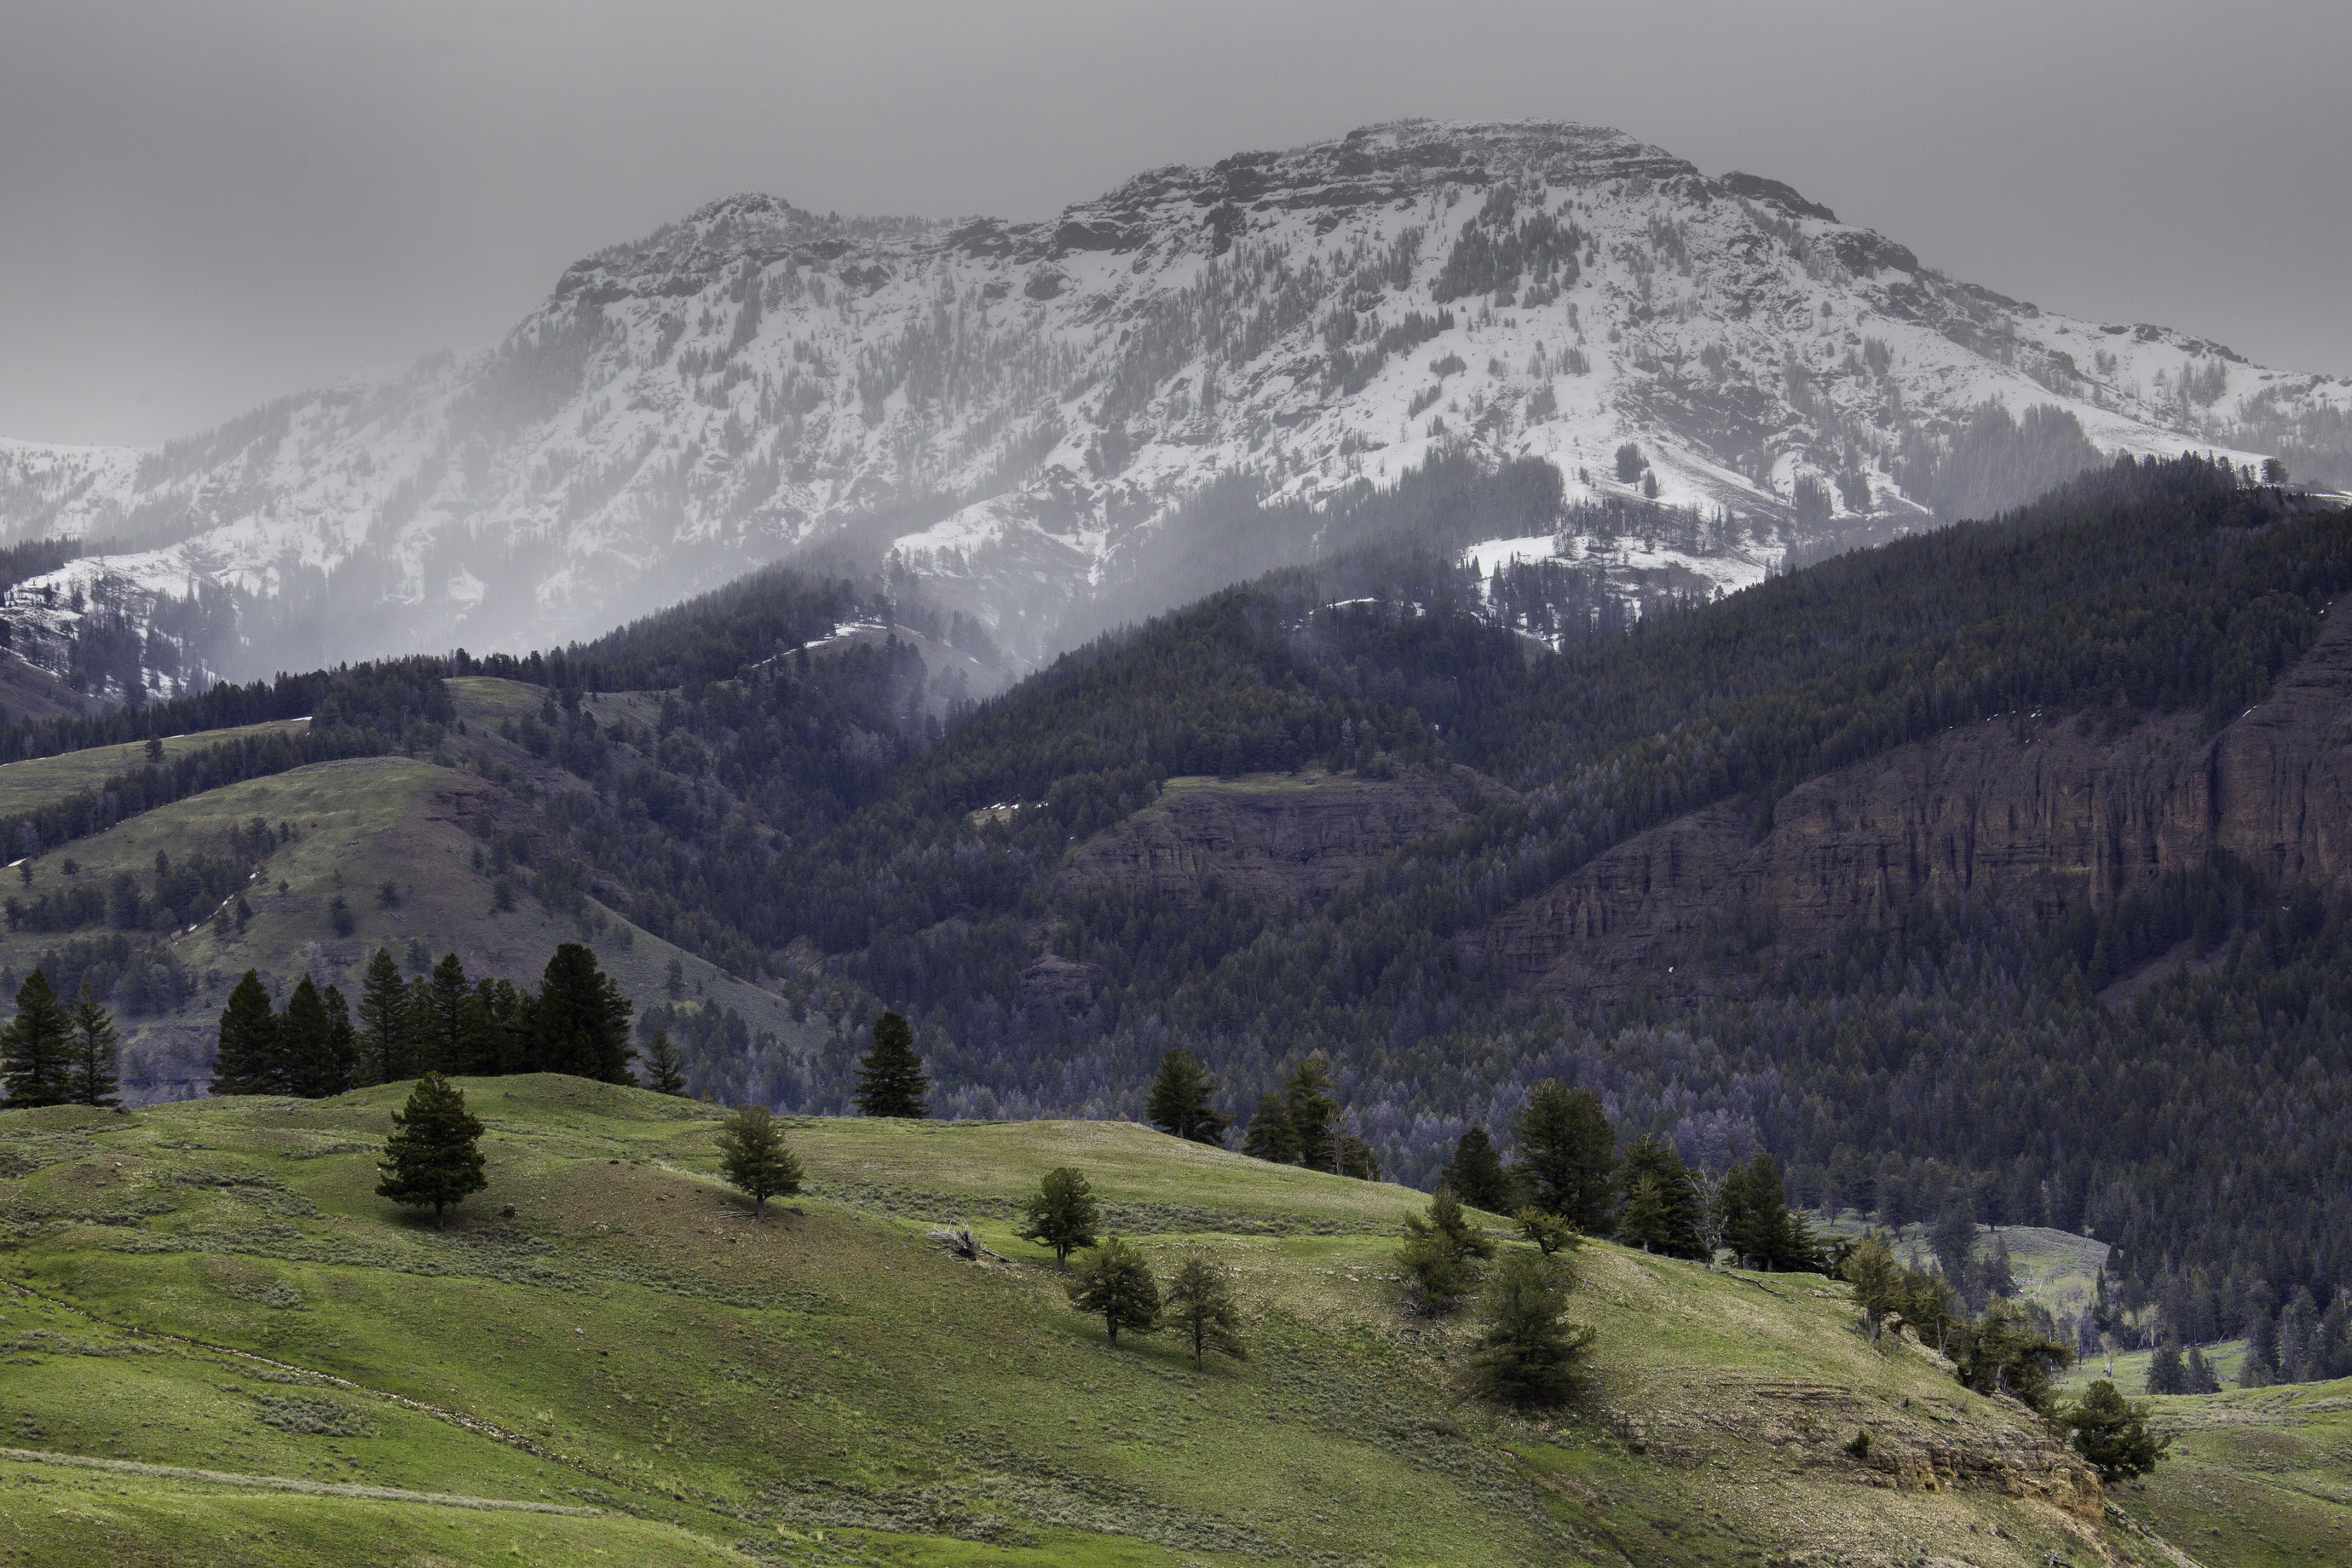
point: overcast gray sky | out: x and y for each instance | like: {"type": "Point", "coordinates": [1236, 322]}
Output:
{"type": "Point", "coordinates": [204, 206]}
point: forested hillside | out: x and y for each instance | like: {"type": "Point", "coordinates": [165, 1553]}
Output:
{"type": "Point", "coordinates": [1944, 871]}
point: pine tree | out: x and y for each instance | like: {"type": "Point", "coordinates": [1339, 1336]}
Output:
{"type": "Point", "coordinates": [2166, 1375]}
{"type": "Point", "coordinates": [432, 1157]}
{"type": "Point", "coordinates": [2111, 1432]}
{"type": "Point", "coordinates": [583, 1020]}
{"type": "Point", "coordinates": [1313, 1111]}
{"type": "Point", "coordinates": [1201, 1308]}
{"type": "Point", "coordinates": [1549, 1233]}
{"type": "Point", "coordinates": [755, 1159]}
{"type": "Point", "coordinates": [36, 1048]}
{"type": "Point", "coordinates": [247, 1060]}
{"type": "Point", "coordinates": [1063, 1214]}
{"type": "Point", "coordinates": [306, 1043]}
{"type": "Point", "coordinates": [93, 1072]}
{"type": "Point", "coordinates": [664, 1070]}
{"type": "Point", "coordinates": [1180, 1100]}
{"type": "Point", "coordinates": [439, 1025]}
{"type": "Point", "coordinates": [1439, 1254]}
{"type": "Point", "coordinates": [2200, 1377]}
{"type": "Point", "coordinates": [1268, 1136]}
{"type": "Point", "coordinates": [1662, 1203]}
{"type": "Point", "coordinates": [1116, 1285]}
{"type": "Point", "coordinates": [384, 1033]}
{"type": "Point", "coordinates": [1567, 1153]}
{"type": "Point", "coordinates": [891, 1078]}
{"type": "Point", "coordinates": [343, 1045]}
{"type": "Point", "coordinates": [1878, 1281]}
{"type": "Point", "coordinates": [1475, 1174]}
{"type": "Point", "coordinates": [1526, 1356]}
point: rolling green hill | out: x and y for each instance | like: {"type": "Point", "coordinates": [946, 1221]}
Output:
{"type": "Point", "coordinates": [224, 1348]}
{"type": "Point", "coordinates": [350, 827]}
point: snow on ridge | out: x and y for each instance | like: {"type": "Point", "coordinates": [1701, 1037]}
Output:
{"type": "Point", "coordinates": [754, 377]}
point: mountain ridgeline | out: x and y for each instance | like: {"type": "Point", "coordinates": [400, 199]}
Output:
{"type": "Point", "coordinates": [1060, 426]}
{"type": "Point", "coordinates": [1996, 867]}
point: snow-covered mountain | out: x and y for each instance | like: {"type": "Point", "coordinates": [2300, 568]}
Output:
{"type": "Point", "coordinates": [1019, 411]}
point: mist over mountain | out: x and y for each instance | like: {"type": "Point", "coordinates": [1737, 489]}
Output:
{"type": "Point", "coordinates": [1060, 425]}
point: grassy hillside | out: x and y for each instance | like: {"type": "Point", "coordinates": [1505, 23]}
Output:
{"type": "Point", "coordinates": [2258, 1478]}
{"type": "Point", "coordinates": [27, 784]}
{"type": "Point", "coordinates": [213, 1287]}
{"type": "Point", "coordinates": [356, 826]}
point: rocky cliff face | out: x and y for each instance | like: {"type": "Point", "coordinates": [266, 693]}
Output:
{"type": "Point", "coordinates": [1277, 839]}
{"type": "Point", "coordinates": [2034, 813]}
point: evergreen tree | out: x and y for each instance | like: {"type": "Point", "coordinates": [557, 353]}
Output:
{"type": "Point", "coordinates": [432, 1157]}
{"type": "Point", "coordinates": [2002, 1353]}
{"type": "Point", "coordinates": [1954, 1239]}
{"type": "Point", "coordinates": [1063, 1214]}
{"type": "Point", "coordinates": [343, 1045]}
{"type": "Point", "coordinates": [755, 1159]}
{"type": "Point", "coordinates": [1440, 1253]}
{"type": "Point", "coordinates": [1661, 1203]}
{"type": "Point", "coordinates": [1268, 1136]}
{"type": "Point", "coordinates": [1549, 1233]}
{"type": "Point", "coordinates": [36, 1048]}
{"type": "Point", "coordinates": [2166, 1375]}
{"type": "Point", "coordinates": [1116, 1285]}
{"type": "Point", "coordinates": [664, 1070]}
{"type": "Point", "coordinates": [439, 1025]}
{"type": "Point", "coordinates": [1181, 1102]}
{"type": "Point", "coordinates": [1758, 1225]}
{"type": "Point", "coordinates": [1475, 1174]}
{"type": "Point", "coordinates": [2200, 1376]}
{"type": "Point", "coordinates": [1567, 1153]}
{"type": "Point", "coordinates": [306, 1043]}
{"type": "Point", "coordinates": [2111, 1432]}
{"type": "Point", "coordinates": [1313, 1111]}
{"type": "Point", "coordinates": [94, 1073]}
{"type": "Point", "coordinates": [247, 1059]}
{"type": "Point", "coordinates": [1201, 1307]}
{"type": "Point", "coordinates": [583, 1024]}
{"type": "Point", "coordinates": [891, 1077]}
{"type": "Point", "coordinates": [1526, 1356]}
{"type": "Point", "coordinates": [1878, 1281]}
{"type": "Point", "coordinates": [386, 1056]}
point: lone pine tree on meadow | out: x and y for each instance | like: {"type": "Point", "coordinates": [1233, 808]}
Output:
{"type": "Point", "coordinates": [1062, 1215]}
{"type": "Point", "coordinates": [1440, 1255]}
{"type": "Point", "coordinates": [665, 1070]}
{"type": "Point", "coordinates": [433, 1158]}
{"type": "Point", "coordinates": [36, 1048]}
{"type": "Point", "coordinates": [1201, 1307]}
{"type": "Point", "coordinates": [93, 1072]}
{"type": "Point", "coordinates": [1526, 1355]}
{"type": "Point", "coordinates": [891, 1078]}
{"type": "Point", "coordinates": [755, 1159]}
{"type": "Point", "coordinates": [1180, 1100]}
{"type": "Point", "coordinates": [2111, 1432]}
{"type": "Point", "coordinates": [1116, 1285]}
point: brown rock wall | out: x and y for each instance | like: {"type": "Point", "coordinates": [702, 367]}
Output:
{"type": "Point", "coordinates": [2034, 813]}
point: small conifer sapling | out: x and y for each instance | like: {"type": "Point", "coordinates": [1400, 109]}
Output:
{"type": "Point", "coordinates": [1062, 1215]}
{"type": "Point", "coordinates": [755, 1159]}
{"type": "Point", "coordinates": [1116, 1285]}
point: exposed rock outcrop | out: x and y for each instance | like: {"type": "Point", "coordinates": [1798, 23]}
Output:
{"type": "Point", "coordinates": [2034, 814]}
{"type": "Point", "coordinates": [1274, 838]}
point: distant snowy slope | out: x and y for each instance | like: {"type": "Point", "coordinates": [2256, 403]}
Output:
{"type": "Point", "coordinates": [1019, 410]}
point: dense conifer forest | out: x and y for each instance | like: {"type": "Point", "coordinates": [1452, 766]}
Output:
{"type": "Point", "coordinates": [801, 813]}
